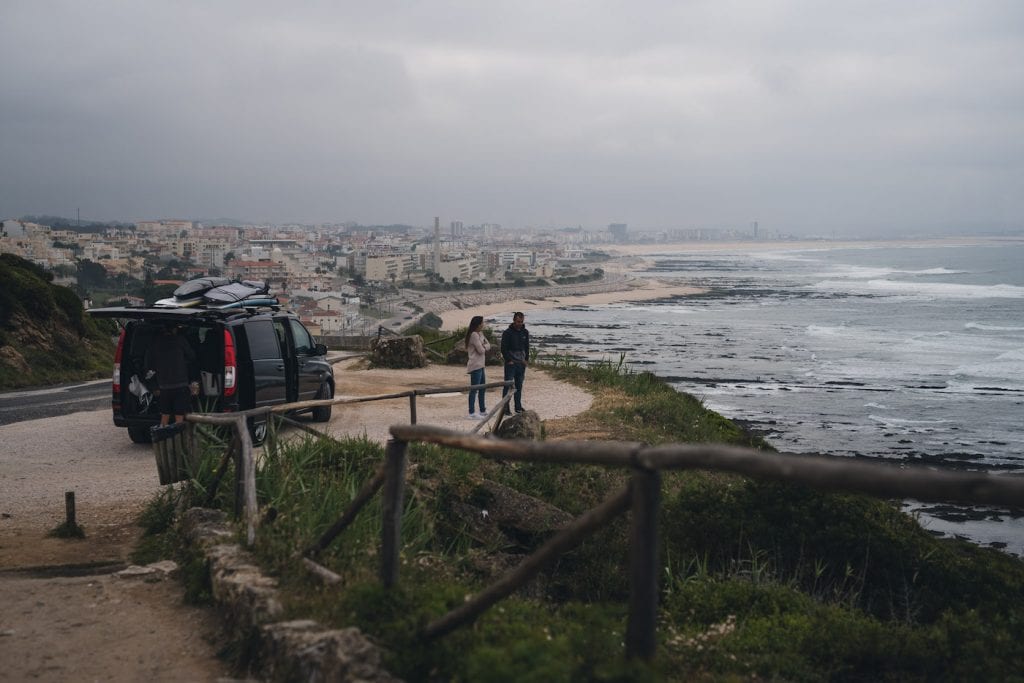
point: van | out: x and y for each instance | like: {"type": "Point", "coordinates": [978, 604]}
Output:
{"type": "Point", "coordinates": [246, 358]}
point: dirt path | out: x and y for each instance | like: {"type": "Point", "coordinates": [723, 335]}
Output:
{"type": "Point", "coordinates": [57, 624]}
{"type": "Point", "coordinates": [550, 398]}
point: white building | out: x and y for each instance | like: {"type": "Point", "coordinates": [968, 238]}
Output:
{"type": "Point", "coordinates": [464, 269]}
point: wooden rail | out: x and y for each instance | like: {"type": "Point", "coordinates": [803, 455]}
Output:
{"type": "Point", "coordinates": [643, 498]}
{"type": "Point", "coordinates": [240, 448]}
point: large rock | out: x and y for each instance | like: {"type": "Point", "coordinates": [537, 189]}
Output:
{"type": "Point", "coordinates": [524, 425]}
{"type": "Point", "coordinates": [521, 517]}
{"type": "Point", "coordinates": [302, 650]}
{"type": "Point", "coordinates": [398, 352]}
{"type": "Point", "coordinates": [458, 355]}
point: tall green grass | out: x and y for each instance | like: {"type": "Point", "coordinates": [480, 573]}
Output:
{"type": "Point", "coordinates": [759, 581]}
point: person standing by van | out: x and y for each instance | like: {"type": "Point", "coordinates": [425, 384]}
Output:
{"type": "Point", "coordinates": [477, 347]}
{"type": "Point", "coordinates": [172, 362]}
{"type": "Point", "coordinates": [515, 350]}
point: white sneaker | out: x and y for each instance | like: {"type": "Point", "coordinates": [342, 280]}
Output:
{"type": "Point", "coordinates": [472, 416]}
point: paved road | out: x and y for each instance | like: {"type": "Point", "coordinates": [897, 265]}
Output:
{"type": "Point", "coordinates": [63, 399]}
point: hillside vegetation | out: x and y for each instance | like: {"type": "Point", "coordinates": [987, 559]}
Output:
{"type": "Point", "coordinates": [760, 581]}
{"type": "Point", "coordinates": [45, 336]}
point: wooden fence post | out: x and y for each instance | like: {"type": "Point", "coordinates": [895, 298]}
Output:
{"type": "Point", "coordinates": [248, 477]}
{"type": "Point", "coordinates": [391, 531]}
{"type": "Point", "coordinates": [643, 565]}
{"type": "Point", "coordinates": [412, 408]}
{"type": "Point", "coordinates": [192, 448]}
{"type": "Point", "coordinates": [69, 509]}
{"type": "Point", "coordinates": [240, 468]}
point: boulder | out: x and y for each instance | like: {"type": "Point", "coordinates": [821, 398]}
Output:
{"type": "Point", "coordinates": [303, 650]}
{"type": "Point", "coordinates": [520, 517]}
{"type": "Point", "coordinates": [524, 425]}
{"type": "Point", "coordinates": [398, 352]}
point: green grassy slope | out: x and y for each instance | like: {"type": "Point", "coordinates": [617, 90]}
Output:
{"type": "Point", "coordinates": [759, 581]}
{"type": "Point", "coordinates": [45, 336]}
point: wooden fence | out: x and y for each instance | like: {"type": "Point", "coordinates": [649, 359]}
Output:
{"type": "Point", "coordinates": [641, 497]}
{"type": "Point", "coordinates": [240, 448]}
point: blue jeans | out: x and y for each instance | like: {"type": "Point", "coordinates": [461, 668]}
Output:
{"type": "Point", "coordinates": [517, 372]}
{"type": "Point", "coordinates": [477, 377]}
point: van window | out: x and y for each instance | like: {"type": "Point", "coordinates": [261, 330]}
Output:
{"type": "Point", "coordinates": [262, 340]}
{"type": "Point", "coordinates": [303, 342]}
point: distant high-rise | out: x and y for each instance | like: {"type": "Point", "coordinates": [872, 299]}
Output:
{"type": "Point", "coordinates": [437, 243]}
{"type": "Point", "coordinates": [618, 231]}
{"type": "Point", "coordinates": [457, 229]}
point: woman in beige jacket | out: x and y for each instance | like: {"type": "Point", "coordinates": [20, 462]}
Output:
{"type": "Point", "coordinates": [477, 347]}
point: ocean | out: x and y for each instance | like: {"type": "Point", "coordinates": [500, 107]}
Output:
{"type": "Point", "coordinates": [911, 353]}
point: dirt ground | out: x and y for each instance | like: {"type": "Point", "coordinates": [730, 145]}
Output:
{"type": "Point", "coordinates": [67, 615]}
{"type": "Point", "coordinates": [550, 398]}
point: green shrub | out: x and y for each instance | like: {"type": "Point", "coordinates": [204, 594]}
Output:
{"type": "Point", "coordinates": [759, 581]}
{"type": "Point", "coordinates": [431, 320]}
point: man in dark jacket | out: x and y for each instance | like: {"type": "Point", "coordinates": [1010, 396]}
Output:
{"type": "Point", "coordinates": [515, 350]}
{"type": "Point", "coordinates": [172, 362]}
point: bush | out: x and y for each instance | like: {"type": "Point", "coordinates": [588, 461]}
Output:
{"type": "Point", "coordinates": [432, 321]}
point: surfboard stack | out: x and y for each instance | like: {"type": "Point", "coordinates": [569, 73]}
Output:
{"type": "Point", "coordinates": [219, 292]}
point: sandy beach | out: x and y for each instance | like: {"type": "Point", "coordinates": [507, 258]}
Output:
{"type": "Point", "coordinates": [634, 250]}
{"type": "Point", "coordinates": [640, 289]}
{"type": "Point", "coordinates": [629, 258]}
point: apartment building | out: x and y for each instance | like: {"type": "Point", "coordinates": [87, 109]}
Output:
{"type": "Point", "coordinates": [388, 267]}
{"type": "Point", "coordinates": [464, 269]}
{"type": "Point", "coordinates": [268, 271]}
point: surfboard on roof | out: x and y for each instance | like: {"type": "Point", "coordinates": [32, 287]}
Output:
{"type": "Point", "coordinates": [235, 292]}
{"type": "Point", "coordinates": [218, 292]}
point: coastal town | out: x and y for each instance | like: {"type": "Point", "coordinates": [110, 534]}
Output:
{"type": "Point", "coordinates": [342, 279]}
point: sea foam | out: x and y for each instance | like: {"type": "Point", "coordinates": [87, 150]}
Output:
{"type": "Point", "coordinates": [931, 290]}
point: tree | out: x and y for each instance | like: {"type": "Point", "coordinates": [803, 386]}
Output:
{"type": "Point", "coordinates": [91, 275]}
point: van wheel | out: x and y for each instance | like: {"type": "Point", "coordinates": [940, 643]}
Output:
{"type": "Point", "coordinates": [139, 435]}
{"type": "Point", "coordinates": [323, 414]}
{"type": "Point", "coordinates": [258, 431]}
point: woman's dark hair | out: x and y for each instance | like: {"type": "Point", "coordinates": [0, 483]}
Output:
{"type": "Point", "coordinates": [474, 324]}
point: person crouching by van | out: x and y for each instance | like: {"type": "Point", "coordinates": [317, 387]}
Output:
{"type": "Point", "coordinates": [515, 350]}
{"type": "Point", "coordinates": [172, 363]}
{"type": "Point", "coordinates": [477, 347]}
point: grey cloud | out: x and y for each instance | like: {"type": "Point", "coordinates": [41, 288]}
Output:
{"type": "Point", "coordinates": [659, 114]}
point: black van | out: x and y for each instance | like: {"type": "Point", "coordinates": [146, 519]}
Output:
{"type": "Point", "coordinates": [247, 358]}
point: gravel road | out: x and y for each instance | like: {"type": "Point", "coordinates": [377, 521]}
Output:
{"type": "Point", "coordinates": [57, 624]}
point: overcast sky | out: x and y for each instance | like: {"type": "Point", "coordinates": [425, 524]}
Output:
{"type": "Point", "coordinates": [865, 117]}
